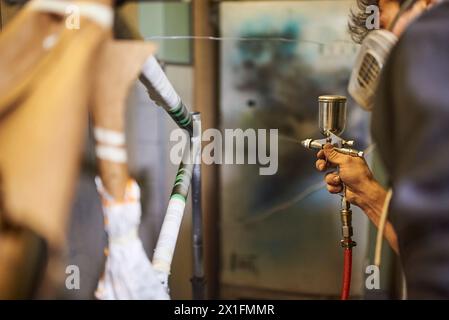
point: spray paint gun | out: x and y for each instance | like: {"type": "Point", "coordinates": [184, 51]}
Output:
{"type": "Point", "coordinates": [332, 123]}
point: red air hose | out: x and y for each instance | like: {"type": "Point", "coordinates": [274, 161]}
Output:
{"type": "Point", "coordinates": [347, 271]}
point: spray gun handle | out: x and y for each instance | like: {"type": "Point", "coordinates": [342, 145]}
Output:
{"type": "Point", "coordinates": [312, 144]}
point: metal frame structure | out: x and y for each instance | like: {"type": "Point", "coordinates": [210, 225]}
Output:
{"type": "Point", "coordinates": [188, 176]}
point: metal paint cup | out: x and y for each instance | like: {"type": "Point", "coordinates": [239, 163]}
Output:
{"type": "Point", "coordinates": [332, 114]}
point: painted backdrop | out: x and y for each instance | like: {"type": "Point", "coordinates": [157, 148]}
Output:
{"type": "Point", "coordinates": [276, 59]}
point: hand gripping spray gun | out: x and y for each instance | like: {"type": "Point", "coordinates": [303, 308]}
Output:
{"type": "Point", "coordinates": [332, 122]}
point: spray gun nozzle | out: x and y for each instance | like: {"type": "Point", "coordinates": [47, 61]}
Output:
{"type": "Point", "coordinates": [312, 144]}
{"type": "Point", "coordinates": [306, 143]}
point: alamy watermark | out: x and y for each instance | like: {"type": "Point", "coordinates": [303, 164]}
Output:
{"type": "Point", "coordinates": [373, 19]}
{"type": "Point", "coordinates": [372, 281]}
{"type": "Point", "coordinates": [230, 146]}
{"type": "Point", "coordinates": [72, 280]}
{"type": "Point", "coordinates": [73, 17]}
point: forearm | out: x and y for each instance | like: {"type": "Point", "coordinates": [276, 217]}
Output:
{"type": "Point", "coordinates": [371, 202]}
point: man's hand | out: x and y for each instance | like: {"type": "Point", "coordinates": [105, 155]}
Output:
{"type": "Point", "coordinates": [362, 189]}
{"type": "Point", "coordinates": [353, 172]}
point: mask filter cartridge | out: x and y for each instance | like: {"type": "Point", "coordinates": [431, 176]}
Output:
{"type": "Point", "coordinates": [369, 63]}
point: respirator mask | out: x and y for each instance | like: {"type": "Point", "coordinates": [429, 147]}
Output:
{"type": "Point", "coordinates": [370, 60]}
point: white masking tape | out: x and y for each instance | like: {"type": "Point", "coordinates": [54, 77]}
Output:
{"type": "Point", "coordinates": [114, 154]}
{"type": "Point", "coordinates": [156, 76]}
{"type": "Point", "coordinates": [165, 248]}
{"type": "Point", "coordinates": [110, 137]}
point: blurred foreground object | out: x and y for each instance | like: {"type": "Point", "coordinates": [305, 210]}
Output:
{"type": "Point", "coordinates": [45, 84]}
{"type": "Point", "coordinates": [128, 272]}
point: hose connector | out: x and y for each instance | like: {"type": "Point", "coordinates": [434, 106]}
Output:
{"type": "Point", "coordinates": [346, 225]}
